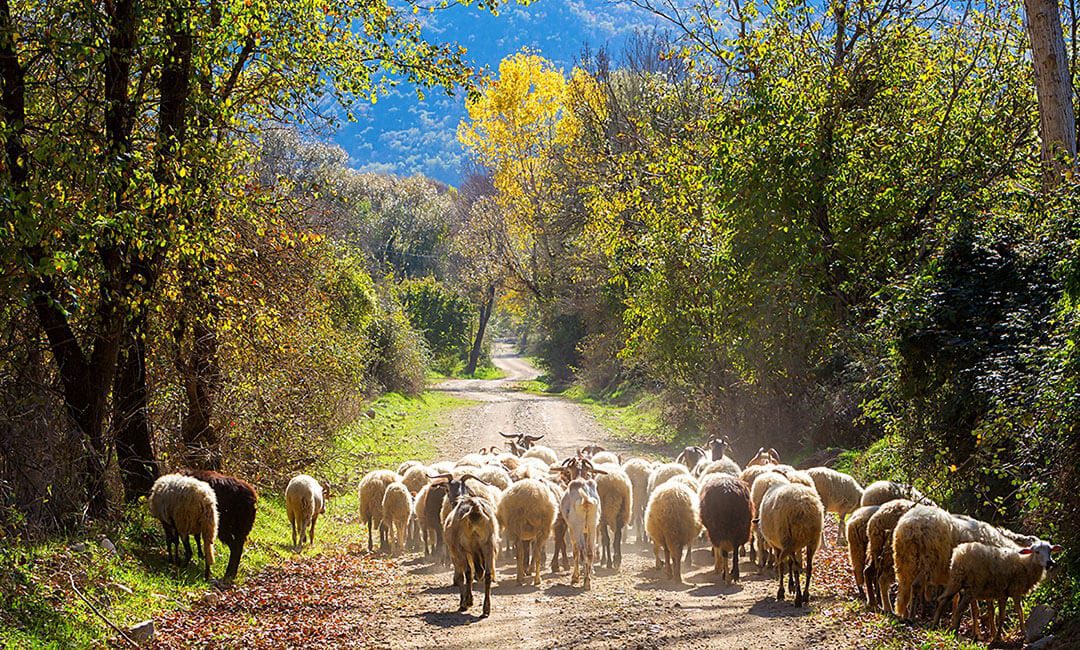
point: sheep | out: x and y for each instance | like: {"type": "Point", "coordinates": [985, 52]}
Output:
{"type": "Point", "coordinates": [546, 454]}
{"type": "Point", "coordinates": [765, 481]}
{"type": "Point", "coordinates": [839, 492]}
{"type": "Point", "coordinates": [519, 443]}
{"type": "Point", "coordinates": [751, 472]}
{"type": "Point", "coordinates": [397, 507]}
{"type": "Point", "coordinates": [471, 460]}
{"type": "Point", "coordinates": [791, 519]}
{"type": "Point", "coordinates": [726, 512]}
{"type": "Point", "coordinates": [529, 468]}
{"type": "Point", "coordinates": [580, 508]}
{"type": "Point", "coordinates": [673, 520]}
{"type": "Point", "coordinates": [661, 473]}
{"type": "Point", "coordinates": [879, 574]}
{"type": "Point", "coordinates": [923, 543]}
{"type": "Point", "coordinates": [695, 458]}
{"type": "Point", "coordinates": [185, 506]}
{"type": "Point", "coordinates": [371, 490]}
{"type": "Point", "coordinates": [428, 505]}
{"type": "Point", "coordinates": [236, 499]}
{"type": "Point", "coordinates": [508, 461]}
{"type": "Point", "coordinates": [723, 466]}
{"type": "Point", "coordinates": [526, 514]}
{"type": "Point", "coordinates": [606, 458]}
{"type": "Point", "coordinates": [304, 503]}
{"type": "Point", "coordinates": [718, 449]}
{"type": "Point", "coordinates": [559, 528]}
{"type": "Point", "coordinates": [404, 466]}
{"type": "Point", "coordinates": [477, 487]}
{"type": "Point", "coordinates": [588, 451]}
{"type": "Point", "coordinates": [858, 541]}
{"type": "Point", "coordinates": [616, 503]}
{"type": "Point", "coordinates": [795, 475]}
{"type": "Point", "coordinates": [471, 532]}
{"type": "Point", "coordinates": [415, 478]}
{"type": "Point", "coordinates": [922, 547]}
{"type": "Point", "coordinates": [765, 457]}
{"type": "Point", "coordinates": [494, 475]}
{"type": "Point", "coordinates": [881, 492]}
{"type": "Point", "coordinates": [979, 571]}
{"type": "Point", "coordinates": [638, 471]}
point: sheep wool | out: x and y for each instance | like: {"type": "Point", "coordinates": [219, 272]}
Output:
{"type": "Point", "coordinates": [662, 473]}
{"type": "Point", "coordinates": [616, 502]}
{"type": "Point", "coordinates": [790, 520]}
{"type": "Point", "coordinates": [638, 471]}
{"type": "Point", "coordinates": [839, 492]}
{"type": "Point", "coordinates": [859, 543]}
{"type": "Point", "coordinates": [526, 514]}
{"type": "Point", "coordinates": [185, 506]}
{"type": "Point", "coordinates": [545, 454]}
{"type": "Point", "coordinates": [372, 488]}
{"type": "Point", "coordinates": [922, 548]}
{"type": "Point", "coordinates": [673, 520]}
{"type": "Point", "coordinates": [397, 507]}
{"type": "Point", "coordinates": [303, 503]}
{"type": "Point", "coordinates": [726, 512]}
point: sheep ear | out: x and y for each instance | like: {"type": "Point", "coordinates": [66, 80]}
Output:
{"type": "Point", "coordinates": [1025, 551]}
{"type": "Point", "coordinates": [1057, 548]}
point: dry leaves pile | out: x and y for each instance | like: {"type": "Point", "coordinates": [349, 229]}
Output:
{"type": "Point", "coordinates": [325, 601]}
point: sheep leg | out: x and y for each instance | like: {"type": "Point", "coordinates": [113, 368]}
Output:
{"type": "Point", "coordinates": [780, 575]}
{"type": "Point", "coordinates": [466, 587]}
{"type": "Point", "coordinates": [236, 550]}
{"type": "Point", "coordinates": [589, 556]}
{"type": "Point", "coordinates": [667, 561]}
{"type": "Point", "coordinates": [618, 542]}
{"type": "Point", "coordinates": [735, 566]}
{"type": "Point", "coordinates": [311, 533]}
{"type": "Point", "coordinates": [605, 542]}
{"type": "Point", "coordinates": [752, 553]}
{"type": "Point", "coordinates": [369, 548]}
{"type": "Point", "coordinates": [538, 556]}
{"type": "Point", "coordinates": [187, 549]}
{"type": "Point", "coordinates": [198, 545]}
{"type": "Point", "coordinates": [1019, 612]}
{"type": "Point", "coordinates": [521, 560]}
{"type": "Point", "coordinates": [794, 570]}
{"type": "Point", "coordinates": [841, 537]}
{"type": "Point", "coordinates": [489, 575]}
{"type": "Point", "coordinates": [870, 582]}
{"type": "Point", "coordinates": [940, 609]}
{"type": "Point", "coordinates": [976, 620]}
{"type": "Point", "coordinates": [809, 574]}
{"type": "Point", "coordinates": [903, 600]}
{"type": "Point", "coordinates": [676, 566]}
{"type": "Point", "coordinates": [690, 553]}
{"type": "Point", "coordinates": [954, 623]}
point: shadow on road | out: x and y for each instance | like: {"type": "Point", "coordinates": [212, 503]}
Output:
{"type": "Point", "coordinates": [449, 619]}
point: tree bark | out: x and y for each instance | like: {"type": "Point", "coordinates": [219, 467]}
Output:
{"type": "Point", "coordinates": [1053, 86]}
{"type": "Point", "coordinates": [131, 426]}
{"type": "Point", "coordinates": [485, 313]}
{"type": "Point", "coordinates": [202, 381]}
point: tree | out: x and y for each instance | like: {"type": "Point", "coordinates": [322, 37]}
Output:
{"type": "Point", "coordinates": [1053, 85]}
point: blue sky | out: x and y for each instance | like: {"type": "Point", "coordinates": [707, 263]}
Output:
{"type": "Point", "coordinates": [403, 135]}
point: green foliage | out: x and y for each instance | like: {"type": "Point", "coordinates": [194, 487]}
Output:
{"type": "Point", "coordinates": [442, 316]}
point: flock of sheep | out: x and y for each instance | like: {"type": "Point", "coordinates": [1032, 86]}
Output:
{"type": "Point", "coordinates": [462, 511]}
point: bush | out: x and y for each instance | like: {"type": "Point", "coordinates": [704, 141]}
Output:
{"type": "Point", "coordinates": [442, 316]}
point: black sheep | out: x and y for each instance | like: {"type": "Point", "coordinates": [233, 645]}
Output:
{"type": "Point", "coordinates": [726, 515]}
{"type": "Point", "coordinates": [236, 512]}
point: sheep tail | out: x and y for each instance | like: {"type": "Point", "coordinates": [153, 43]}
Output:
{"type": "Point", "coordinates": [208, 545]}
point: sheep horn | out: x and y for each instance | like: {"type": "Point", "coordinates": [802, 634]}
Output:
{"type": "Point", "coordinates": [533, 438]}
{"type": "Point", "coordinates": [681, 456]}
{"type": "Point", "coordinates": [597, 471]}
{"type": "Point", "coordinates": [468, 476]}
{"type": "Point", "coordinates": [509, 435]}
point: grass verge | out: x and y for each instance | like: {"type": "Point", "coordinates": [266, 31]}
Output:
{"type": "Point", "coordinates": [39, 608]}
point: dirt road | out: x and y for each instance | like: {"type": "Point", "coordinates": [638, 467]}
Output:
{"type": "Point", "coordinates": [631, 608]}
{"type": "Point", "coordinates": [347, 598]}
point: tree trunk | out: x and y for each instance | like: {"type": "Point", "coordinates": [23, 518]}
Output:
{"type": "Point", "coordinates": [1053, 86]}
{"type": "Point", "coordinates": [131, 423]}
{"type": "Point", "coordinates": [485, 314]}
{"type": "Point", "coordinates": [202, 382]}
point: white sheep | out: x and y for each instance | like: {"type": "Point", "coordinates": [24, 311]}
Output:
{"type": "Point", "coordinates": [839, 492]}
{"type": "Point", "coordinates": [765, 457]}
{"type": "Point", "coordinates": [638, 471]}
{"type": "Point", "coordinates": [760, 553]}
{"type": "Point", "coordinates": [605, 458]}
{"type": "Point", "coordinates": [371, 490]}
{"type": "Point", "coordinates": [695, 459]}
{"type": "Point", "coordinates": [532, 467]}
{"type": "Point", "coordinates": [304, 503]}
{"type": "Point", "coordinates": [859, 543]}
{"type": "Point", "coordinates": [427, 508]}
{"type": "Point", "coordinates": [673, 520]}
{"type": "Point", "coordinates": [980, 571]}
{"type": "Point", "coordinates": [751, 472]}
{"type": "Point", "coordinates": [540, 452]}
{"type": "Point", "coordinates": [185, 506]}
{"type": "Point", "coordinates": [662, 473]}
{"type": "Point", "coordinates": [880, 573]}
{"type": "Point", "coordinates": [616, 502]}
{"type": "Point", "coordinates": [405, 465]}
{"type": "Point", "coordinates": [526, 514]}
{"type": "Point", "coordinates": [494, 475]}
{"type": "Point", "coordinates": [723, 466]}
{"type": "Point", "coordinates": [415, 478]}
{"type": "Point", "coordinates": [580, 509]}
{"type": "Point", "coordinates": [791, 519]}
{"type": "Point", "coordinates": [397, 508]}
{"type": "Point", "coordinates": [881, 492]}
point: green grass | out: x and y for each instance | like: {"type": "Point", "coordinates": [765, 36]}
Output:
{"type": "Point", "coordinates": [38, 608]}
